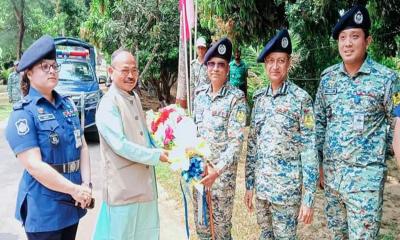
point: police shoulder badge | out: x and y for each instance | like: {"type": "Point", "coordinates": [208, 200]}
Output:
{"type": "Point", "coordinates": [22, 126]}
{"type": "Point", "coordinates": [358, 17]}
{"type": "Point", "coordinates": [284, 42]}
{"type": "Point", "coordinates": [241, 116]}
{"type": "Point", "coordinates": [396, 99]}
{"type": "Point", "coordinates": [222, 49]}
{"type": "Point", "coordinates": [309, 121]}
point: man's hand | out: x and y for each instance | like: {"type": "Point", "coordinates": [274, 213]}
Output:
{"type": "Point", "coordinates": [164, 157]}
{"type": "Point", "coordinates": [248, 200]}
{"type": "Point", "coordinates": [306, 214]}
{"type": "Point", "coordinates": [321, 178]}
{"type": "Point", "coordinates": [210, 175]}
{"type": "Point", "coordinates": [82, 195]}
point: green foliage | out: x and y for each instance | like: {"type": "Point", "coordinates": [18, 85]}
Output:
{"type": "Point", "coordinates": [53, 17]}
{"type": "Point", "coordinates": [257, 78]}
{"type": "Point", "coordinates": [310, 23]}
{"type": "Point", "coordinates": [248, 21]}
{"type": "Point", "coordinates": [148, 28]}
{"type": "Point", "coordinates": [5, 73]}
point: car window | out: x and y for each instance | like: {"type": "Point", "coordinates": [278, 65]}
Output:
{"type": "Point", "coordinates": [75, 71]}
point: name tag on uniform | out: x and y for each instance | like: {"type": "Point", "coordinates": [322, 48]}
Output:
{"type": "Point", "coordinates": [78, 139]}
{"type": "Point", "coordinates": [330, 91]}
{"type": "Point", "coordinates": [358, 122]}
{"type": "Point", "coordinates": [46, 116]}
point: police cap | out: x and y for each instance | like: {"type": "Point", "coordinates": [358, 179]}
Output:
{"type": "Point", "coordinates": [222, 49]}
{"type": "Point", "coordinates": [279, 43]}
{"type": "Point", "coordinates": [356, 17]}
{"type": "Point", "coordinates": [43, 48]}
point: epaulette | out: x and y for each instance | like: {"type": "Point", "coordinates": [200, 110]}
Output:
{"type": "Point", "coordinates": [201, 88]}
{"type": "Point", "coordinates": [259, 92]}
{"type": "Point", "coordinates": [21, 103]}
{"type": "Point", "coordinates": [237, 92]}
{"type": "Point", "coordinates": [330, 69]}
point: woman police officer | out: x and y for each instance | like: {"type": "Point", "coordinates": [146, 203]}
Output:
{"type": "Point", "coordinates": [45, 134]}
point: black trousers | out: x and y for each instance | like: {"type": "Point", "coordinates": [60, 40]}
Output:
{"type": "Point", "coordinates": [67, 233]}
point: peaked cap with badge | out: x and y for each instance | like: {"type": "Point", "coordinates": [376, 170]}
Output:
{"type": "Point", "coordinates": [356, 17]}
{"type": "Point", "coordinates": [43, 48]}
{"type": "Point", "coordinates": [222, 49]}
{"type": "Point", "coordinates": [279, 43]}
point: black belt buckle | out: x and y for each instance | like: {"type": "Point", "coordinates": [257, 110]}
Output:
{"type": "Point", "coordinates": [73, 202]}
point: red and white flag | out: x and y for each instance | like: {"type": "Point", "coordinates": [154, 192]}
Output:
{"type": "Point", "coordinates": [186, 9]}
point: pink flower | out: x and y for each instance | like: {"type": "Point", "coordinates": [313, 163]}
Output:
{"type": "Point", "coordinates": [169, 135]}
{"type": "Point", "coordinates": [154, 127]}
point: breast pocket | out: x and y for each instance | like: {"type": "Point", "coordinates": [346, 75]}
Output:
{"type": "Point", "coordinates": [370, 101]}
{"type": "Point", "coordinates": [220, 120]}
{"type": "Point", "coordinates": [288, 120]}
{"type": "Point", "coordinates": [49, 134]}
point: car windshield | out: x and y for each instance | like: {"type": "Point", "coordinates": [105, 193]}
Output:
{"type": "Point", "coordinates": [75, 71]}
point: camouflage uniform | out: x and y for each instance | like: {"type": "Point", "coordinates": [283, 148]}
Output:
{"type": "Point", "coordinates": [13, 87]}
{"type": "Point", "coordinates": [281, 158]}
{"type": "Point", "coordinates": [352, 119]}
{"type": "Point", "coordinates": [220, 120]}
{"type": "Point", "coordinates": [198, 77]}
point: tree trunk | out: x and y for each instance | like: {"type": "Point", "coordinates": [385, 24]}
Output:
{"type": "Point", "coordinates": [153, 52]}
{"type": "Point", "coordinates": [19, 14]}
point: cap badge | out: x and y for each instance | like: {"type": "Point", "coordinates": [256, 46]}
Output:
{"type": "Point", "coordinates": [284, 42]}
{"type": "Point", "coordinates": [358, 17]}
{"type": "Point", "coordinates": [222, 49]}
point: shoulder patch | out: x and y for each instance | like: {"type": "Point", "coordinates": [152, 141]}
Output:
{"type": "Point", "coordinates": [22, 126]}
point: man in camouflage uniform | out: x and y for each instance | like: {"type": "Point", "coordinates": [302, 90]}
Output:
{"type": "Point", "coordinates": [220, 116]}
{"type": "Point", "coordinates": [353, 110]}
{"type": "Point", "coordinates": [281, 155]}
{"type": "Point", "coordinates": [13, 85]}
{"type": "Point", "coordinates": [198, 69]}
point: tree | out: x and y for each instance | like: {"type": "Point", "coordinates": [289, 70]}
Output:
{"type": "Point", "coordinates": [253, 22]}
{"type": "Point", "coordinates": [19, 8]}
{"type": "Point", "coordinates": [23, 22]}
{"type": "Point", "coordinates": [148, 28]}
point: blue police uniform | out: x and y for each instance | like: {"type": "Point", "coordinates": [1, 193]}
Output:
{"type": "Point", "coordinates": [56, 131]}
{"type": "Point", "coordinates": [397, 111]}
{"type": "Point", "coordinates": [35, 122]}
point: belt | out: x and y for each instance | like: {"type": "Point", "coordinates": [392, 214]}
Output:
{"type": "Point", "coordinates": [69, 167]}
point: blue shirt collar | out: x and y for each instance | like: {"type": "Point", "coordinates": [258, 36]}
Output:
{"type": "Point", "coordinates": [36, 96]}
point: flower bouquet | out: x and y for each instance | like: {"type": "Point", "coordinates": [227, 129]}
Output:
{"type": "Point", "coordinates": [173, 130]}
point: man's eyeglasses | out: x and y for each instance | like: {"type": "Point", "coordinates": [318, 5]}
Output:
{"type": "Point", "coordinates": [46, 67]}
{"type": "Point", "coordinates": [279, 61]}
{"type": "Point", "coordinates": [219, 65]}
{"type": "Point", "coordinates": [125, 72]}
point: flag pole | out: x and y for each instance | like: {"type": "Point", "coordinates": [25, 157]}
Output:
{"type": "Point", "coordinates": [186, 60]}
{"type": "Point", "coordinates": [195, 28]}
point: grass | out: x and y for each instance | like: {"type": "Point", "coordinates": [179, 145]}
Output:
{"type": "Point", "coordinates": [245, 225]}
{"type": "Point", "coordinates": [392, 232]}
{"type": "Point", "coordinates": [5, 108]}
